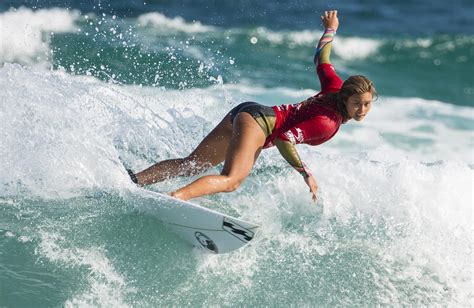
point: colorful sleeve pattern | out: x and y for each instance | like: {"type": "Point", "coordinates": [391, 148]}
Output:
{"type": "Point", "coordinates": [323, 50]}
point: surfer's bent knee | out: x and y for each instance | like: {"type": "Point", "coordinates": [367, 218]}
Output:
{"type": "Point", "coordinates": [232, 187]}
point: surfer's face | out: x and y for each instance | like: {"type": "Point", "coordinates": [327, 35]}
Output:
{"type": "Point", "coordinates": [358, 105]}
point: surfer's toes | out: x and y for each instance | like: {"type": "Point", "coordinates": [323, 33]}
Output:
{"type": "Point", "coordinates": [177, 195]}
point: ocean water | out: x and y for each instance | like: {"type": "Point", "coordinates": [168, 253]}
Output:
{"type": "Point", "coordinates": [88, 88]}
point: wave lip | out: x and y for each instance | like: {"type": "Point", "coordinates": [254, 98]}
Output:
{"type": "Point", "coordinates": [26, 33]}
{"type": "Point", "coordinates": [356, 48]}
{"type": "Point", "coordinates": [177, 23]}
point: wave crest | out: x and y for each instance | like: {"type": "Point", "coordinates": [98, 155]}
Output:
{"type": "Point", "coordinates": [177, 23]}
{"type": "Point", "coordinates": [26, 33]}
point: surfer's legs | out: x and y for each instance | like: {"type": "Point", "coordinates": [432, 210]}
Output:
{"type": "Point", "coordinates": [210, 152]}
{"type": "Point", "coordinates": [245, 146]}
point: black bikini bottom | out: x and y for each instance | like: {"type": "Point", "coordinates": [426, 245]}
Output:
{"type": "Point", "coordinates": [264, 115]}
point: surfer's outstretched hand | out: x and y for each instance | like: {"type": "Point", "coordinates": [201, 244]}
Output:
{"type": "Point", "coordinates": [330, 20]}
{"type": "Point", "coordinates": [313, 187]}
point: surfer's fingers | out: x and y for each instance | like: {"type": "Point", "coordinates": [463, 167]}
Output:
{"type": "Point", "coordinates": [313, 195]}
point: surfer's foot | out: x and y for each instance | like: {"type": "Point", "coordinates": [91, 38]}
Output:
{"type": "Point", "coordinates": [178, 195]}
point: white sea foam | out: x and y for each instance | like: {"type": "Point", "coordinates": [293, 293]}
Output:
{"type": "Point", "coordinates": [404, 229]}
{"type": "Point", "coordinates": [161, 22]}
{"type": "Point", "coordinates": [355, 48]}
{"type": "Point", "coordinates": [106, 286]}
{"type": "Point", "coordinates": [26, 33]}
{"type": "Point", "coordinates": [304, 37]}
{"type": "Point", "coordinates": [56, 139]}
{"type": "Point", "coordinates": [422, 129]}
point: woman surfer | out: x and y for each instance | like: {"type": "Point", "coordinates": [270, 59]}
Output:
{"type": "Point", "coordinates": [250, 127]}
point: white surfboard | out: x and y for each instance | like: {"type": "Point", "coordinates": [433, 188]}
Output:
{"type": "Point", "coordinates": [204, 228]}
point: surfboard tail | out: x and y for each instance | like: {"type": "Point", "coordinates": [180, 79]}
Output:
{"type": "Point", "coordinates": [234, 234]}
{"type": "Point", "coordinates": [210, 230]}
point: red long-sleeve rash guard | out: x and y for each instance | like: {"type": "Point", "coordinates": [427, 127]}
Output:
{"type": "Point", "coordinates": [310, 123]}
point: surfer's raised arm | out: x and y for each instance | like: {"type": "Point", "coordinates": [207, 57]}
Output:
{"type": "Point", "coordinates": [323, 50]}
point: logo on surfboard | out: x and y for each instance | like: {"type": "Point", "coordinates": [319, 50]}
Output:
{"type": "Point", "coordinates": [243, 234]}
{"type": "Point", "coordinates": [206, 242]}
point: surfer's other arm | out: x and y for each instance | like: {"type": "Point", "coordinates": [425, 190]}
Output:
{"type": "Point", "coordinates": [323, 50]}
{"type": "Point", "coordinates": [287, 149]}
